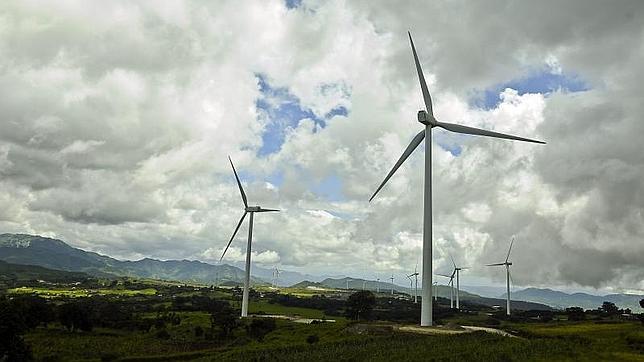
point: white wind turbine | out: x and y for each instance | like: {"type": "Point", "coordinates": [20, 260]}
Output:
{"type": "Point", "coordinates": [377, 285]}
{"type": "Point", "coordinates": [415, 275]}
{"type": "Point", "coordinates": [507, 275]}
{"type": "Point", "coordinates": [457, 270]}
{"type": "Point", "coordinates": [426, 117]}
{"type": "Point", "coordinates": [392, 284]}
{"type": "Point", "coordinates": [247, 210]}
{"type": "Point", "coordinates": [451, 285]}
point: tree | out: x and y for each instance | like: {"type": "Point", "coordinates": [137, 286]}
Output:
{"type": "Point", "coordinates": [260, 327]}
{"type": "Point", "coordinates": [642, 303]}
{"type": "Point", "coordinates": [12, 326]}
{"type": "Point", "coordinates": [609, 308]}
{"type": "Point", "coordinates": [75, 317]}
{"type": "Point", "coordinates": [223, 316]}
{"type": "Point", "coordinates": [575, 314]}
{"type": "Point", "coordinates": [360, 304]}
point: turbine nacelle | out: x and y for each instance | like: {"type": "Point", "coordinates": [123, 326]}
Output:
{"type": "Point", "coordinates": [426, 118]}
{"type": "Point", "coordinates": [253, 209]}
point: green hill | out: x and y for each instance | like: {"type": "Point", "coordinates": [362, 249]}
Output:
{"type": "Point", "coordinates": [56, 254]}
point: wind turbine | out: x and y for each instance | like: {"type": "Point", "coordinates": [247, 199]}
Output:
{"type": "Point", "coordinates": [435, 290]}
{"type": "Point", "coordinates": [392, 284]}
{"type": "Point", "coordinates": [507, 275]}
{"type": "Point", "coordinates": [457, 270]}
{"type": "Point", "coordinates": [415, 275]}
{"type": "Point", "coordinates": [451, 285]}
{"type": "Point", "coordinates": [426, 117]}
{"type": "Point", "coordinates": [377, 285]}
{"type": "Point", "coordinates": [247, 210]}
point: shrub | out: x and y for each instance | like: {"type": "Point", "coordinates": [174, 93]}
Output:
{"type": "Point", "coordinates": [312, 339]}
{"type": "Point", "coordinates": [260, 327]}
{"type": "Point", "coordinates": [163, 334]}
{"type": "Point", "coordinates": [360, 304]}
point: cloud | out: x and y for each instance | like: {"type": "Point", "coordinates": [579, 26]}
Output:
{"type": "Point", "coordinates": [117, 119]}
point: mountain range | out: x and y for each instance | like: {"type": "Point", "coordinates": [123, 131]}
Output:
{"type": "Point", "coordinates": [56, 254]}
{"type": "Point", "coordinates": [563, 300]}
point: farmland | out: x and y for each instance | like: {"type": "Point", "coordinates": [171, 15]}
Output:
{"type": "Point", "coordinates": [149, 320]}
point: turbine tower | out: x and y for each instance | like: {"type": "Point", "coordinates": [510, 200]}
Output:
{"type": "Point", "coordinates": [507, 275]}
{"type": "Point", "coordinates": [457, 270]}
{"type": "Point", "coordinates": [426, 117]}
{"type": "Point", "coordinates": [435, 289]}
{"type": "Point", "coordinates": [392, 284]}
{"type": "Point", "coordinates": [247, 210]}
{"type": "Point", "coordinates": [451, 285]}
{"type": "Point", "coordinates": [377, 285]}
{"type": "Point", "coordinates": [415, 275]}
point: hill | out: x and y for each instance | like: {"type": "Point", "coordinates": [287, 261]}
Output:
{"type": "Point", "coordinates": [56, 254]}
{"type": "Point", "coordinates": [11, 273]}
{"type": "Point", "coordinates": [443, 291]}
{"type": "Point", "coordinates": [563, 300]}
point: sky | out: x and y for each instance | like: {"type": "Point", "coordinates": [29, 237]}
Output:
{"type": "Point", "coordinates": [116, 120]}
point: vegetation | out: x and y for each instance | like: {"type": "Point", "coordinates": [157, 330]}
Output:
{"type": "Point", "coordinates": [134, 320]}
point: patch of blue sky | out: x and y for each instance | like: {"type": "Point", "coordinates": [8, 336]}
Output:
{"type": "Point", "coordinates": [276, 178]}
{"type": "Point", "coordinates": [329, 188]}
{"type": "Point", "coordinates": [292, 4]}
{"type": "Point", "coordinates": [448, 142]}
{"type": "Point", "coordinates": [283, 111]}
{"type": "Point", "coordinates": [541, 81]}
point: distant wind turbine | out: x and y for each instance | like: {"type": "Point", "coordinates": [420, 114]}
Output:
{"type": "Point", "coordinates": [426, 117]}
{"type": "Point", "coordinates": [457, 270]}
{"type": "Point", "coordinates": [378, 285]}
{"type": "Point", "coordinates": [247, 210]}
{"type": "Point", "coordinates": [392, 284]}
{"type": "Point", "coordinates": [415, 275]}
{"type": "Point", "coordinates": [507, 275]}
{"type": "Point", "coordinates": [435, 290]}
{"type": "Point", "coordinates": [451, 285]}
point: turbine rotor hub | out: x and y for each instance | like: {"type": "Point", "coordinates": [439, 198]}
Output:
{"type": "Point", "coordinates": [253, 208]}
{"type": "Point", "coordinates": [426, 119]}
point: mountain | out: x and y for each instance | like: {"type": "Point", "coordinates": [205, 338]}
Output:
{"type": "Point", "coordinates": [11, 273]}
{"type": "Point", "coordinates": [442, 292]}
{"type": "Point", "coordinates": [563, 300]}
{"type": "Point", "coordinates": [56, 254]}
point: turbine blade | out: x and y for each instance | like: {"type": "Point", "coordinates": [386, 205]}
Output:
{"type": "Point", "coordinates": [453, 261]}
{"type": "Point", "coordinates": [267, 210]}
{"type": "Point", "coordinates": [444, 275]}
{"type": "Point", "coordinates": [497, 264]}
{"type": "Point", "coordinates": [423, 85]}
{"type": "Point", "coordinates": [235, 233]}
{"type": "Point", "coordinates": [412, 146]}
{"type": "Point", "coordinates": [241, 189]}
{"type": "Point", "coordinates": [510, 249]}
{"type": "Point", "coordinates": [481, 132]}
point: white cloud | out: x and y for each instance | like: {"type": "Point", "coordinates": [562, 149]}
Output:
{"type": "Point", "coordinates": [117, 119]}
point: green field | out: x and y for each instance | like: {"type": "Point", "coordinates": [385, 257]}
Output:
{"type": "Point", "coordinates": [605, 339]}
{"type": "Point", "coordinates": [75, 293]}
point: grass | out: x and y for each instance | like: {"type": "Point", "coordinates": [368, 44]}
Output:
{"type": "Point", "coordinates": [268, 308]}
{"type": "Point", "coordinates": [76, 293]}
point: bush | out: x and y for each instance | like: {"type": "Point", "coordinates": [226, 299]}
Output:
{"type": "Point", "coordinates": [360, 304]}
{"type": "Point", "coordinates": [260, 327]}
{"type": "Point", "coordinates": [163, 334]}
{"type": "Point", "coordinates": [198, 331]}
{"type": "Point", "coordinates": [312, 339]}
